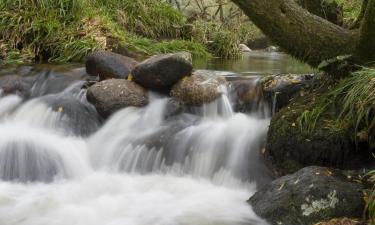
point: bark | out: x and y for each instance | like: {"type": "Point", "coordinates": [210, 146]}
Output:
{"type": "Point", "coordinates": [307, 37]}
{"type": "Point", "coordinates": [366, 46]}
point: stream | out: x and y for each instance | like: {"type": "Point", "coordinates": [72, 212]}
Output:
{"type": "Point", "coordinates": [61, 164]}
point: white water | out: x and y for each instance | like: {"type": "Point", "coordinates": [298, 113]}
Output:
{"type": "Point", "coordinates": [138, 169]}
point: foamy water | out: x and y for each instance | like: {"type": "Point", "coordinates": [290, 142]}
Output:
{"type": "Point", "coordinates": [139, 168]}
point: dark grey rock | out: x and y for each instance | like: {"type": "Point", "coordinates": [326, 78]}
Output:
{"type": "Point", "coordinates": [109, 65]}
{"type": "Point", "coordinates": [161, 72]}
{"type": "Point", "coordinates": [311, 195]}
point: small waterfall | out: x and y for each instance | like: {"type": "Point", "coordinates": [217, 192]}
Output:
{"type": "Point", "coordinates": [221, 143]}
{"type": "Point", "coordinates": [60, 165]}
{"type": "Point", "coordinates": [29, 154]}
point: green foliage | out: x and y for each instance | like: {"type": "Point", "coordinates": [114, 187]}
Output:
{"type": "Point", "coordinates": [152, 19]}
{"type": "Point", "coordinates": [222, 40]}
{"type": "Point", "coordinates": [309, 118]}
{"type": "Point", "coordinates": [352, 102]}
{"type": "Point", "coordinates": [67, 30]}
{"type": "Point", "coordinates": [225, 44]}
{"type": "Point", "coordinates": [356, 97]}
{"type": "Point", "coordinates": [47, 29]}
{"type": "Point", "coordinates": [352, 8]}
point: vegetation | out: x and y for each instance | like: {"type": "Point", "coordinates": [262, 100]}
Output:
{"type": "Point", "coordinates": [352, 9]}
{"type": "Point", "coordinates": [371, 200]}
{"type": "Point", "coordinates": [351, 102]}
{"type": "Point", "coordinates": [67, 30]}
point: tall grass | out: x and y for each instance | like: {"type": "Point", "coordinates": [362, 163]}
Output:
{"type": "Point", "coordinates": [356, 97]}
{"type": "Point", "coordinates": [153, 19]}
{"type": "Point", "coordinates": [67, 30]}
{"type": "Point", "coordinates": [351, 102]}
{"type": "Point", "coordinates": [49, 29]}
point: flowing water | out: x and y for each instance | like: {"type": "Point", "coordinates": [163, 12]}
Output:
{"type": "Point", "coordinates": [60, 163]}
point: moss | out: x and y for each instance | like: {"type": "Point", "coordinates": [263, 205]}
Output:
{"type": "Point", "coordinates": [308, 132]}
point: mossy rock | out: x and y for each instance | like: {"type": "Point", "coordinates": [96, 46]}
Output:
{"type": "Point", "coordinates": [291, 146]}
{"type": "Point", "coordinates": [311, 195]}
{"type": "Point", "coordinates": [198, 89]}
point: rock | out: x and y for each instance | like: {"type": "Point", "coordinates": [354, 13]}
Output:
{"type": "Point", "coordinates": [161, 72]}
{"type": "Point", "coordinates": [247, 94]}
{"type": "Point", "coordinates": [13, 84]}
{"type": "Point", "coordinates": [78, 118]}
{"type": "Point", "coordinates": [280, 89]}
{"type": "Point", "coordinates": [342, 221]}
{"type": "Point", "coordinates": [244, 48]}
{"type": "Point", "coordinates": [272, 49]}
{"type": "Point", "coordinates": [198, 89]}
{"type": "Point", "coordinates": [52, 81]}
{"type": "Point", "coordinates": [311, 195]}
{"type": "Point", "coordinates": [294, 143]}
{"type": "Point", "coordinates": [109, 65]}
{"type": "Point", "coordinates": [111, 95]}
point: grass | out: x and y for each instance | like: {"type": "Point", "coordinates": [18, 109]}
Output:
{"type": "Point", "coordinates": [356, 97]}
{"type": "Point", "coordinates": [153, 19]}
{"type": "Point", "coordinates": [67, 30]}
{"type": "Point", "coordinates": [351, 102]}
{"type": "Point", "coordinates": [352, 9]}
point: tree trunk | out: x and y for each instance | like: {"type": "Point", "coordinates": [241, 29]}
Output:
{"type": "Point", "coordinates": [307, 37]}
{"type": "Point", "coordinates": [366, 46]}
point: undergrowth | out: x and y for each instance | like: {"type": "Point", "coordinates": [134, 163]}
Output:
{"type": "Point", "coordinates": [370, 207]}
{"type": "Point", "coordinates": [67, 30]}
{"type": "Point", "coordinates": [352, 8]}
{"type": "Point", "coordinates": [351, 102]}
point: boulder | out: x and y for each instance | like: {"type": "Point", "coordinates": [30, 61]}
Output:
{"type": "Point", "coordinates": [77, 117]}
{"type": "Point", "coordinates": [309, 196]}
{"type": "Point", "coordinates": [13, 84]}
{"type": "Point", "coordinates": [109, 65]}
{"type": "Point", "coordinates": [244, 48]}
{"type": "Point", "coordinates": [301, 135]}
{"type": "Point", "coordinates": [342, 221]}
{"type": "Point", "coordinates": [280, 89]}
{"type": "Point", "coordinates": [198, 89]}
{"type": "Point", "coordinates": [161, 72]}
{"type": "Point", "coordinates": [111, 95]}
{"type": "Point", "coordinates": [247, 94]}
{"type": "Point", "coordinates": [52, 81]}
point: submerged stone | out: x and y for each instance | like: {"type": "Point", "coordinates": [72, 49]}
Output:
{"type": "Point", "coordinates": [13, 84]}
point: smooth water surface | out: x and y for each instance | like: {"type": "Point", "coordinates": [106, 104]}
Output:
{"type": "Point", "coordinates": [256, 63]}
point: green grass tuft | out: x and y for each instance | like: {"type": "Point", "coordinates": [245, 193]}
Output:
{"type": "Point", "coordinates": [352, 103]}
